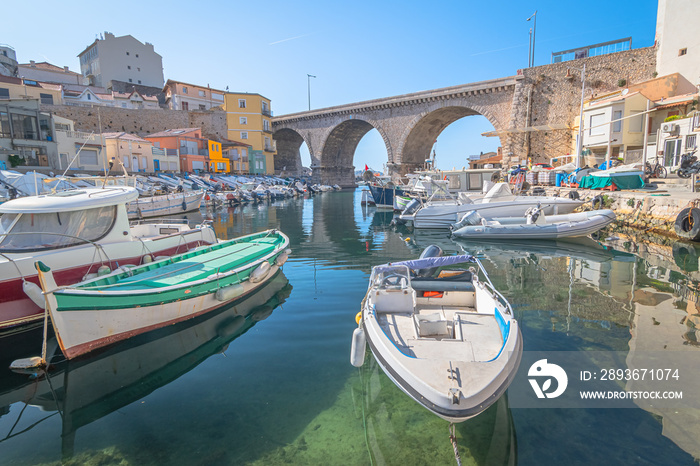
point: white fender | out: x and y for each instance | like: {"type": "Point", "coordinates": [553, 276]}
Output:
{"type": "Point", "coordinates": [34, 292]}
{"type": "Point", "coordinates": [103, 270]}
{"type": "Point", "coordinates": [281, 259]}
{"type": "Point", "coordinates": [260, 273]}
{"type": "Point", "coordinates": [357, 351]}
{"type": "Point", "coordinates": [229, 292]}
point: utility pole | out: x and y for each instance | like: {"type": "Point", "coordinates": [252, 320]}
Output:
{"type": "Point", "coordinates": [308, 82]}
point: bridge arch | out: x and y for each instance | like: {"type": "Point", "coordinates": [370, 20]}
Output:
{"type": "Point", "coordinates": [340, 143]}
{"type": "Point", "coordinates": [288, 142]}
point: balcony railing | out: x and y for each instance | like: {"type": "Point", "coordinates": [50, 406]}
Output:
{"type": "Point", "coordinates": [267, 112]}
{"type": "Point", "coordinates": [269, 149]}
{"type": "Point", "coordinates": [157, 151]}
{"type": "Point", "coordinates": [170, 152]}
{"type": "Point", "coordinates": [80, 135]}
{"type": "Point", "coordinates": [204, 152]}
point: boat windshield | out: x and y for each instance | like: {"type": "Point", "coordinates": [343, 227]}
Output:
{"type": "Point", "coordinates": [391, 277]}
{"type": "Point", "coordinates": [36, 232]}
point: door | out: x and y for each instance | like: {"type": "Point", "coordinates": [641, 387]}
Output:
{"type": "Point", "coordinates": [672, 152]}
{"type": "Point", "coordinates": [156, 165]}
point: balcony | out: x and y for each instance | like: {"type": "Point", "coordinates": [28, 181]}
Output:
{"type": "Point", "coordinates": [157, 151]}
{"type": "Point", "coordinates": [269, 149]}
{"type": "Point", "coordinates": [204, 152]}
{"type": "Point", "coordinates": [266, 112]}
{"type": "Point", "coordinates": [81, 135]}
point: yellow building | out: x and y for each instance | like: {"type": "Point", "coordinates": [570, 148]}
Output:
{"type": "Point", "coordinates": [217, 162]}
{"type": "Point", "coordinates": [248, 121]}
{"type": "Point", "coordinates": [18, 88]}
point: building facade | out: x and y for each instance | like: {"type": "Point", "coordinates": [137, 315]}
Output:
{"type": "Point", "coordinates": [677, 43]}
{"type": "Point", "coordinates": [248, 121]}
{"type": "Point", "coordinates": [185, 96]}
{"type": "Point", "coordinates": [121, 58]}
{"type": "Point", "coordinates": [8, 61]}
{"type": "Point", "coordinates": [27, 135]}
{"type": "Point", "coordinates": [18, 88]}
{"type": "Point", "coordinates": [135, 154]}
{"type": "Point", "coordinates": [78, 150]}
{"type": "Point", "coordinates": [187, 144]}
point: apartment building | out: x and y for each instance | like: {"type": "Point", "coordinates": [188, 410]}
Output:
{"type": "Point", "coordinates": [134, 153]}
{"type": "Point", "coordinates": [26, 135]}
{"type": "Point", "coordinates": [187, 144]}
{"type": "Point", "coordinates": [78, 150]}
{"type": "Point", "coordinates": [122, 58]}
{"type": "Point", "coordinates": [185, 96]}
{"type": "Point", "coordinates": [48, 73]}
{"type": "Point", "coordinates": [27, 89]}
{"type": "Point", "coordinates": [248, 119]}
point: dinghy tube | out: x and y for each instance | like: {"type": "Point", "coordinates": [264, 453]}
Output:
{"type": "Point", "coordinates": [357, 351]}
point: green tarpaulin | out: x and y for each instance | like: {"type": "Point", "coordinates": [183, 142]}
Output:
{"type": "Point", "coordinates": [621, 182]}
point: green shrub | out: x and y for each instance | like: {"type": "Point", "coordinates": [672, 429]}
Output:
{"type": "Point", "coordinates": [15, 160]}
{"type": "Point", "coordinates": [672, 118]}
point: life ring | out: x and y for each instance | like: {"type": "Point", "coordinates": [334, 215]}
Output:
{"type": "Point", "coordinates": [574, 195]}
{"type": "Point", "coordinates": [687, 224]}
{"type": "Point", "coordinates": [597, 202]}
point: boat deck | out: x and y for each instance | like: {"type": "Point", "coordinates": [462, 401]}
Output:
{"type": "Point", "coordinates": [476, 337]}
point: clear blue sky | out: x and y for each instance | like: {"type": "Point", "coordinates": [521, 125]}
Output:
{"type": "Point", "coordinates": [358, 50]}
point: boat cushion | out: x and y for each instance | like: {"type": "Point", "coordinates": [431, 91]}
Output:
{"type": "Point", "coordinates": [461, 282]}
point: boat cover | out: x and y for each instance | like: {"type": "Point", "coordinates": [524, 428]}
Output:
{"type": "Point", "coordinates": [430, 262]}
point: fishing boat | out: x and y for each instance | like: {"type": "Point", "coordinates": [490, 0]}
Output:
{"type": "Point", "coordinates": [78, 234]}
{"type": "Point", "coordinates": [534, 224]}
{"type": "Point", "coordinates": [499, 201]}
{"type": "Point", "coordinates": [383, 191]}
{"type": "Point", "coordinates": [444, 336]}
{"type": "Point", "coordinates": [131, 301]}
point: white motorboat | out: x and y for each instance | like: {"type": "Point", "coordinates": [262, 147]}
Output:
{"type": "Point", "coordinates": [533, 225]}
{"type": "Point", "coordinates": [78, 234]}
{"type": "Point", "coordinates": [499, 201]}
{"type": "Point", "coordinates": [165, 204]}
{"type": "Point", "coordinates": [448, 339]}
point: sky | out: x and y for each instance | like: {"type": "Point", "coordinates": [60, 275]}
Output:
{"type": "Point", "coordinates": [358, 50]}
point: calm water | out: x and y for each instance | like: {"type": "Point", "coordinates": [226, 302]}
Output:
{"type": "Point", "coordinates": [277, 387]}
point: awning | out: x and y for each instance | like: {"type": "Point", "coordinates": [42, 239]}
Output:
{"type": "Point", "coordinates": [526, 129]}
{"type": "Point", "coordinates": [674, 104]}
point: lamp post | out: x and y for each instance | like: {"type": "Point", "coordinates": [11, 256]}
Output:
{"type": "Point", "coordinates": [579, 142]}
{"type": "Point", "coordinates": [534, 31]}
{"type": "Point", "coordinates": [308, 82]}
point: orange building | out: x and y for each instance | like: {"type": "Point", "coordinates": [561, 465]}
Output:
{"type": "Point", "coordinates": [192, 148]}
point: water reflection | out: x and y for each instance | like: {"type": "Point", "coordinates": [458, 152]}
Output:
{"type": "Point", "coordinates": [84, 390]}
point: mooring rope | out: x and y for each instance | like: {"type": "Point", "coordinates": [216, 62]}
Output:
{"type": "Point", "coordinates": [453, 440]}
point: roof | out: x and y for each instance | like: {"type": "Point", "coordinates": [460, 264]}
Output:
{"type": "Point", "coordinates": [615, 98]}
{"type": "Point", "coordinates": [48, 67]}
{"type": "Point", "coordinates": [230, 143]}
{"type": "Point", "coordinates": [68, 201]}
{"type": "Point", "coordinates": [172, 81]}
{"type": "Point", "coordinates": [169, 133]}
{"type": "Point", "coordinates": [125, 136]}
{"type": "Point", "coordinates": [676, 101]}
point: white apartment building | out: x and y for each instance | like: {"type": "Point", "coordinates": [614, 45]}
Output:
{"type": "Point", "coordinates": [123, 59]}
{"type": "Point", "coordinates": [678, 39]}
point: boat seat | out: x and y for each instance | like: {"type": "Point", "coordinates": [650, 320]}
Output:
{"type": "Point", "coordinates": [432, 325]}
{"type": "Point", "coordinates": [461, 282]}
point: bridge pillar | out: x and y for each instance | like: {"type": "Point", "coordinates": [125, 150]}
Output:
{"type": "Point", "coordinates": [343, 176]}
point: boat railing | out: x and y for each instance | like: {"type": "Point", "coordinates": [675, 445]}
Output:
{"type": "Point", "coordinates": [494, 291]}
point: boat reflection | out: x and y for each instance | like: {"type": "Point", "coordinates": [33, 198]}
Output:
{"type": "Point", "coordinates": [394, 424]}
{"type": "Point", "coordinates": [84, 390]}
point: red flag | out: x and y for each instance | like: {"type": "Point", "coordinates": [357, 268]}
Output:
{"type": "Point", "coordinates": [366, 167]}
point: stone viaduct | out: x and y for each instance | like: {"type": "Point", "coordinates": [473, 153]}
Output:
{"type": "Point", "coordinates": [532, 113]}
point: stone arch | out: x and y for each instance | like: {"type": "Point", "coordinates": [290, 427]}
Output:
{"type": "Point", "coordinates": [422, 131]}
{"type": "Point", "coordinates": [340, 142]}
{"type": "Point", "coordinates": [288, 142]}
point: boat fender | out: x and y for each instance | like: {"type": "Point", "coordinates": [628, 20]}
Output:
{"type": "Point", "coordinates": [34, 292]}
{"type": "Point", "coordinates": [230, 292]}
{"type": "Point", "coordinates": [147, 259]}
{"type": "Point", "coordinates": [103, 270]}
{"type": "Point", "coordinates": [358, 317]}
{"type": "Point", "coordinates": [281, 259]}
{"type": "Point", "coordinates": [357, 350]}
{"type": "Point", "coordinates": [574, 195]}
{"type": "Point", "coordinates": [597, 202]}
{"type": "Point", "coordinates": [184, 204]}
{"type": "Point", "coordinates": [687, 224]}
{"type": "Point", "coordinates": [260, 273]}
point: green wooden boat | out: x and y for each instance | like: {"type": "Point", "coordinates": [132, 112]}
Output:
{"type": "Point", "coordinates": [131, 301]}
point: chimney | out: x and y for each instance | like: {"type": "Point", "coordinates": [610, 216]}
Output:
{"type": "Point", "coordinates": [32, 63]}
{"type": "Point", "coordinates": [65, 68]}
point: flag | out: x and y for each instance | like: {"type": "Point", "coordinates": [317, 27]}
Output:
{"type": "Point", "coordinates": [366, 167]}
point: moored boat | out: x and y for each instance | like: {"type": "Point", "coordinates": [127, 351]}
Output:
{"type": "Point", "coordinates": [534, 225]}
{"type": "Point", "coordinates": [448, 339]}
{"type": "Point", "coordinates": [131, 301]}
{"type": "Point", "coordinates": [78, 234]}
{"type": "Point", "coordinates": [165, 204]}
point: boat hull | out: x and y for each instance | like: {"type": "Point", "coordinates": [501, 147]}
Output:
{"type": "Point", "coordinates": [572, 225]}
{"type": "Point", "coordinates": [166, 204]}
{"type": "Point", "coordinates": [442, 215]}
{"type": "Point", "coordinates": [384, 197]}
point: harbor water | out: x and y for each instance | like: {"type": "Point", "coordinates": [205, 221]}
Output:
{"type": "Point", "coordinates": [277, 387]}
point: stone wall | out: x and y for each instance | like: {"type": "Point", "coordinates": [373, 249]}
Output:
{"type": "Point", "coordinates": [141, 122]}
{"type": "Point", "coordinates": [556, 99]}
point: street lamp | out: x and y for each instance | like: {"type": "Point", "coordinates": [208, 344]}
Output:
{"type": "Point", "coordinates": [308, 80]}
{"type": "Point", "coordinates": [531, 57]}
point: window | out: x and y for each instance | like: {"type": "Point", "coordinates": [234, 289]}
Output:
{"type": "Point", "coordinates": [88, 157]}
{"type": "Point", "coordinates": [202, 93]}
{"type": "Point", "coordinates": [185, 105]}
{"type": "Point", "coordinates": [24, 127]}
{"type": "Point", "coordinates": [597, 126]}
{"type": "Point", "coordinates": [266, 125]}
{"type": "Point", "coordinates": [202, 107]}
{"type": "Point", "coordinates": [241, 103]}
{"type": "Point", "coordinates": [617, 123]}
{"type": "Point", "coordinates": [48, 231]}
{"type": "Point", "coordinates": [137, 55]}
{"type": "Point", "coordinates": [46, 99]}
{"type": "Point", "coordinates": [138, 69]}
{"type": "Point", "coordinates": [243, 120]}
{"type": "Point", "coordinates": [690, 142]}
{"type": "Point", "coordinates": [682, 52]}
{"type": "Point", "coordinates": [636, 122]}
{"type": "Point", "coordinates": [244, 134]}
{"type": "Point", "coordinates": [89, 96]}
{"type": "Point", "coordinates": [139, 81]}
{"type": "Point", "coordinates": [4, 93]}
{"type": "Point", "coordinates": [127, 53]}
{"type": "Point", "coordinates": [128, 67]}
{"type": "Point", "coordinates": [131, 80]}
{"type": "Point", "coordinates": [184, 90]}
{"type": "Point", "coordinates": [4, 125]}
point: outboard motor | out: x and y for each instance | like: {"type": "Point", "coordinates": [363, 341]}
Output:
{"type": "Point", "coordinates": [412, 207]}
{"type": "Point", "coordinates": [470, 218]}
{"type": "Point", "coordinates": [430, 251]}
